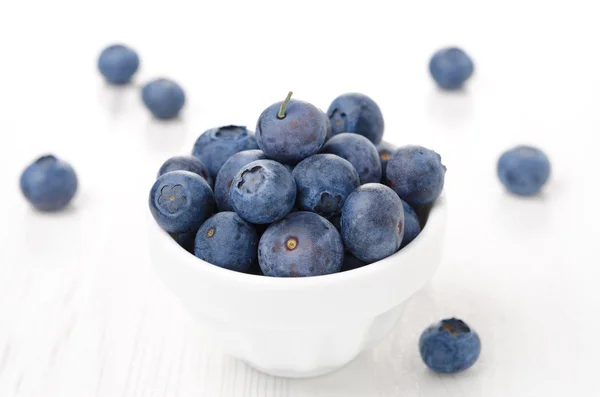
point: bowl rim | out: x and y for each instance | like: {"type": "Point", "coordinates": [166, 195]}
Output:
{"type": "Point", "coordinates": [436, 219]}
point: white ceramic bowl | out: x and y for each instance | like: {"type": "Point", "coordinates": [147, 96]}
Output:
{"type": "Point", "coordinates": [299, 327]}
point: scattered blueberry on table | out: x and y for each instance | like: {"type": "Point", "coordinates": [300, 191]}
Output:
{"type": "Point", "coordinates": [523, 170]}
{"type": "Point", "coordinates": [118, 63]}
{"type": "Point", "coordinates": [416, 174]}
{"type": "Point", "coordinates": [227, 241]}
{"type": "Point", "coordinates": [180, 201]}
{"type": "Point", "coordinates": [164, 98]}
{"type": "Point", "coordinates": [372, 222]}
{"type": "Point", "coordinates": [324, 181]}
{"type": "Point", "coordinates": [215, 146]}
{"type": "Point", "coordinates": [186, 163]}
{"type": "Point", "coordinates": [228, 171]}
{"type": "Point", "coordinates": [49, 183]}
{"type": "Point", "coordinates": [291, 131]}
{"type": "Point", "coordinates": [449, 346]}
{"type": "Point", "coordinates": [263, 191]}
{"type": "Point", "coordinates": [360, 152]}
{"type": "Point", "coordinates": [302, 244]}
{"type": "Point", "coordinates": [450, 68]}
{"type": "Point", "coordinates": [356, 113]}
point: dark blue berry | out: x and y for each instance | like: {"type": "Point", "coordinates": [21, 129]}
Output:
{"type": "Point", "coordinates": [164, 98]}
{"type": "Point", "coordinates": [118, 63]}
{"type": "Point", "coordinates": [186, 163]}
{"type": "Point", "coordinates": [523, 170]}
{"type": "Point", "coordinates": [49, 183]}
{"type": "Point", "coordinates": [450, 68]}
{"type": "Point", "coordinates": [228, 171]}
{"type": "Point", "coordinates": [449, 346]}
{"type": "Point", "coordinates": [360, 152]}
{"type": "Point", "coordinates": [300, 245]}
{"type": "Point", "coordinates": [356, 113]}
{"type": "Point", "coordinates": [412, 227]}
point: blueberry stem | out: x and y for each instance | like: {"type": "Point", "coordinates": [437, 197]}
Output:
{"type": "Point", "coordinates": [281, 114]}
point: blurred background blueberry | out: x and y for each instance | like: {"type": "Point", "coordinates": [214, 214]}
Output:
{"type": "Point", "coordinates": [450, 68]}
{"type": "Point", "coordinates": [49, 183]}
{"type": "Point", "coordinates": [118, 63]}
{"type": "Point", "coordinates": [523, 170]}
{"type": "Point", "coordinates": [356, 113]}
{"type": "Point", "coordinates": [164, 98]}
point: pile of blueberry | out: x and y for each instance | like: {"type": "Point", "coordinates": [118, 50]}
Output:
{"type": "Point", "coordinates": [311, 193]}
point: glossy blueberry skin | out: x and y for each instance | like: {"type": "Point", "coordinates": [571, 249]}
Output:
{"type": "Point", "coordinates": [186, 163]}
{"type": "Point", "coordinates": [523, 170]}
{"type": "Point", "coordinates": [351, 262]}
{"type": "Point", "coordinates": [215, 146]}
{"type": "Point", "coordinates": [360, 152]}
{"type": "Point", "coordinates": [227, 241]}
{"type": "Point", "coordinates": [185, 240]}
{"type": "Point", "coordinates": [263, 191]}
{"type": "Point", "coordinates": [180, 201]}
{"type": "Point", "coordinates": [318, 248]}
{"type": "Point", "coordinates": [416, 174]}
{"type": "Point", "coordinates": [49, 183]}
{"type": "Point", "coordinates": [372, 222]}
{"type": "Point", "coordinates": [356, 113]}
{"type": "Point", "coordinates": [449, 346]}
{"type": "Point", "coordinates": [164, 98]}
{"type": "Point", "coordinates": [412, 228]}
{"type": "Point", "coordinates": [450, 68]}
{"type": "Point", "coordinates": [118, 63]}
{"type": "Point", "coordinates": [297, 136]}
{"type": "Point", "coordinates": [385, 150]}
{"type": "Point", "coordinates": [323, 183]}
{"type": "Point", "coordinates": [228, 171]}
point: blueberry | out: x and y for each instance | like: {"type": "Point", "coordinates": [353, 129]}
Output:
{"type": "Point", "coordinates": [412, 228]}
{"type": "Point", "coordinates": [351, 262]}
{"type": "Point", "coordinates": [118, 63]}
{"type": "Point", "coordinates": [450, 68]}
{"type": "Point", "coordinates": [303, 244]}
{"type": "Point", "coordinates": [228, 171]}
{"type": "Point", "coordinates": [185, 240]}
{"type": "Point", "coordinates": [186, 163]}
{"type": "Point", "coordinates": [180, 201]}
{"type": "Point", "coordinates": [215, 146]}
{"type": "Point", "coordinates": [49, 183]}
{"type": "Point", "coordinates": [385, 150]}
{"type": "Point", "coordinates": [324, 181]}
{"type": "Point", "coordinates": [449, 346]}
{"type": "Point", "coordinates": [291, 131]}
{"type": "Point", "coordinates": [227, 241]}
{"type": "Point", "coordinates": [263, 191]}
{"type": "Point", "coordinates": [164, 98]}
{"type": "Point", "coordinates": [372, 222]}
{"type": "Point", "coordinates": [523, 170]}
{"type": "Point", "coordinates": [356, 113]}
{"type": "Point", "coordinates": [360, 152]}
{"type": "Point", "coordinates": [416, 174]}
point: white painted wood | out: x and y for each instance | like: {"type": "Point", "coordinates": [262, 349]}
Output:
{"type": "Point", "coordinates": [82, 313]}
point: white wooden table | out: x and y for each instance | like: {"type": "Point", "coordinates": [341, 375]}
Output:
{"type": "Point", "coordinates": [83, 314]}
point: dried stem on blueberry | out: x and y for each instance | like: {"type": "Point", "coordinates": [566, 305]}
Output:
{"type": "Point", "coordinates": [281, 114]}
